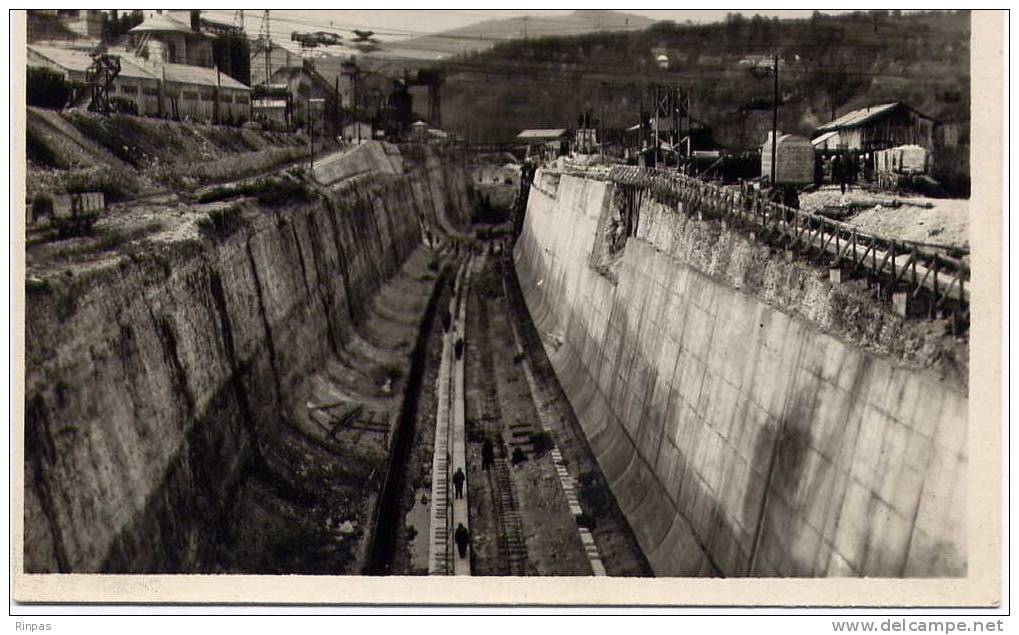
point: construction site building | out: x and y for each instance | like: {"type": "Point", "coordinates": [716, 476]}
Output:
{"type": "Point", "coordinates": [169, 90]}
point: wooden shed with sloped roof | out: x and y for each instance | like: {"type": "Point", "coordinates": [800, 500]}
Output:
{"type": "Point", "coordinates": [876, 128]}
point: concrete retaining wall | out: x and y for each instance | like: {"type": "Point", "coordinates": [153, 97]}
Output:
{"type": "Point", "coordinates": [737, 438]}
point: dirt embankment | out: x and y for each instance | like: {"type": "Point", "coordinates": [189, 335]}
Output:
{"type": "Point", "coordinates": [126, 156]}
{"type": "Point", "coordinates": [934, 221]}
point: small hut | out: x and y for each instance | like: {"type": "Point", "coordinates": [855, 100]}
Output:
{"type": "Point", "coordinates": [795, 158]}
{"type": "Point", "coordinates": [907, 159]}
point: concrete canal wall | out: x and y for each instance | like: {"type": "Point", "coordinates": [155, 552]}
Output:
{"type": "Point", "coordinates": [744, 425]}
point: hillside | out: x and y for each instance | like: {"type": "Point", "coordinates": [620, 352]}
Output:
{"type": "Point", "coordinates": [125, 156]}
{"type": "Point", "coordinates": [828, 66]}
{"type": "Point", "coordinates": [484, 35]}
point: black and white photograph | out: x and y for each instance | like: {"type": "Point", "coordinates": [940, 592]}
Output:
{"type": "Point", "coordinates": [524, 293]}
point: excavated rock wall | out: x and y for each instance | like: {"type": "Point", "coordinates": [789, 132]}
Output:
{"type": "Point", "coordinates": [153, 382]}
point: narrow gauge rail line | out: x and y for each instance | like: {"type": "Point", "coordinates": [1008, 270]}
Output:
{"type": "Point", "coordinates": [567, 482]}
{"type": "Point", "coordinates": [509, 535]}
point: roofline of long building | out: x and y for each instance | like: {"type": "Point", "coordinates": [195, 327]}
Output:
{"type": "Point", "coordinates": [829, 127]}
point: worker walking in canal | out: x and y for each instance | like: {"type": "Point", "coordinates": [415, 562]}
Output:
{"type": "Point", "coordinates": [840, 170]}
{"type": "Point", "coordinates": [462, 537]}
{"type": "Point", "coordinates": [487, 455]}
{"type": "Point", "coordinates": [458, 481]}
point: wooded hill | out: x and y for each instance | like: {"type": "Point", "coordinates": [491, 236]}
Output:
{"type": "Point", "coordinates": [828, 65]}
{"type": "Point", "coordinates": [482, 36]}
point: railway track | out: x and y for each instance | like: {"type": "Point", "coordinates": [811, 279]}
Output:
{"type": "Point", "coordinates": [610, 545]}
{"type": "Point", "coordinates": [568, 483]}
{"type": "Point", "coordinates": [498, 516]}
{"type": "Point", "coordinates": [509, 534]}
{"type": "Point", "coordinates": [512, 548]}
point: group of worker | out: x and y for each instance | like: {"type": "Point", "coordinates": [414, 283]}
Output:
{"type": "Point", "coordinates": [844, 169]}
{"type": "Point", "coordinates": [462, 535]}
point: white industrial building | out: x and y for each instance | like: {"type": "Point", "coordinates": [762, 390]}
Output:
{"type": "Point", "coordinates": [165, 89]}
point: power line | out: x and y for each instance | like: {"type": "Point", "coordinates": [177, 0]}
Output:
{"type": "Point", "coordinates": [695, 73]}
{"type": "Point", "coordinates": [619, 73]}
{"type": "Point", "coordinates": [572, 28]}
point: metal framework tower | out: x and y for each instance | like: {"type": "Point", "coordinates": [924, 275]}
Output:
{"type": "Point", "coordinates": [670, 108]}
{"type": "Point", "coordinates": [264, 44]}
{"type": "Point", "coordinates": [358, 101]}
{"type": "Point", "coordinates": [435, 103]}
{"type": "Point", "coordinates": [99, 77]}
{"type": "Point", "coordinates": [433, 80]}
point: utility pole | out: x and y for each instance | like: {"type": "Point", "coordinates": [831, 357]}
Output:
{"type": "Point", "coordinates": [742, 128]}
{"type": "Point", "coordinates": [349, 69]}
{"type": "Point", "coordinates": [774, 125]}
{"type": "Point", "coordinates": [601, 128]}
{"type": "Point", "coordinates": [162, 90]}
{"type": "Point", "coordinates": [685, 105]}
{"type": "Point", "coordinates": [319, 102]}
{"type": "Point", "coordinates": [641, 136]}
{"type": "Point", "coordinates": [689, 124]}
{"type": "Point", "coordinates": [353, 94]}
{"type": "Point", "coordinates": [265, 40]}
{"type": "Point", "coordinates": [215, 103]}
{"type": "Point", "coordinates": [654, 104]}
